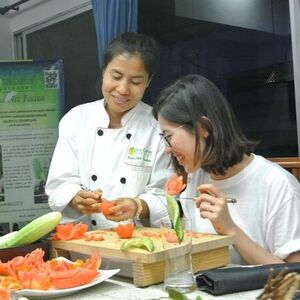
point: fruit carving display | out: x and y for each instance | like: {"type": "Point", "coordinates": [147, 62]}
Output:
{"type": "Point", "coordinates": [33, 272]}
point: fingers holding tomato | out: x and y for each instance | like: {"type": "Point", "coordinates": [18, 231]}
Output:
{"type": "Point", "coordinates": [119, 210]}
{"type": "Point", "coordinates": [105, 207]}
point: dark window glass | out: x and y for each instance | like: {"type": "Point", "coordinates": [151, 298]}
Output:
{"type": "Point", "coordinates": [244, 48]}
{"type": "Point", "coordinates": [74, 41]}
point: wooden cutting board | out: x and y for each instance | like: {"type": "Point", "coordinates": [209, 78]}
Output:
{"type": "Point", "coordinates": [208, 251]}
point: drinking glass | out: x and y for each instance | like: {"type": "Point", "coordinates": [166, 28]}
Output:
{"type": "Point", "coordinates": [178, 262]}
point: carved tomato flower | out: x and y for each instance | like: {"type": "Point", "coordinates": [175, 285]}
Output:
{"type": "Point", "coordinates": [70, 231]}
{"type": "Point", "coordinates": [4, 294]}
{"type": "Point", "coordinates": [174, 185]}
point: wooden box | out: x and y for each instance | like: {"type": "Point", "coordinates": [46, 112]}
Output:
{"type": "Point", "coordinates": [9, 253]}
{"type": "Point", "coordinates": [208, 252]}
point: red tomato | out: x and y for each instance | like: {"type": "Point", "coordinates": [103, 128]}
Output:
{"type": "Point", "coordinates": [59, 265]}
{"type": "Point", "coordinates": [105, 207]}
{"type": "Point", "coordinates": [72, 278]}
{"type": "Point", "coordinates": [125, 231]}
{"type": "Point", "coordinates": [171, 237]}
{"type": "Point", "coordinates": [94, 237]}
{"type": "Point", "coordinates": [35, 279]}
{"type": "Point", "coordinates": [3, 268]}
{"type": "Point", "coordinates": [80, 230]}
{"type": "Point", "coordinates": [93, 262]}
{"type": "Point", "coordinates": [70, 231]}
{"type": "Point", "coordinates": [174, 185]}
{"type": "Point", "coordinates": [4, 294]}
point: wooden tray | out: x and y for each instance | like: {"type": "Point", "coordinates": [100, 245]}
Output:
{"type": "Point", "coordinates": [208, 251]}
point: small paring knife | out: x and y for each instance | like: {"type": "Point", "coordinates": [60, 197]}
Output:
{"type": "Point", "coordinates": [83, 187]}
{"type": "Point", "coordinates": [228, 200]}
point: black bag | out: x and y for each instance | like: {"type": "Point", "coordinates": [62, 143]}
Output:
{"type": "Point", "coordinates": [237, 279]}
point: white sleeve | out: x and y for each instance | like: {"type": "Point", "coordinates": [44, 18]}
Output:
{"type": "Point", "coordinates": [283, 230]}
{"type": "Point", "coordinates": [63, 177]}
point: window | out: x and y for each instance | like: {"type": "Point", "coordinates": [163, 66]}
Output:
{"type": "Point", "coordinates": [244, 47]}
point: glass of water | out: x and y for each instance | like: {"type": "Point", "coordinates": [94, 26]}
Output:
{"type": "Point", "coordinates": [178, 261]}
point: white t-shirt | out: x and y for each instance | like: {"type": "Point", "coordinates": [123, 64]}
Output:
{"type": "Point", "coordinates": [268, 207]}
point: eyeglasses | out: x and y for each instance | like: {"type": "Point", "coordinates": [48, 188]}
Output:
{"type": "Point", "coordinates": [168, 136]}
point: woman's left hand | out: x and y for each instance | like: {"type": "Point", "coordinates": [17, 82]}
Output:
{"type": "Point", "coordinates": [122, 209]}
{"type": "Point", "coordinates": [213, 206]}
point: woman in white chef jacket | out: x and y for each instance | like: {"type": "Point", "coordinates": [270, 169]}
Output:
{"type": "Point", "coordinates": [112, 146]}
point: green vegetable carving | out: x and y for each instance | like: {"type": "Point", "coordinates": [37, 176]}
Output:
{"type": "Point", "coordinates": [175, 295]}
{"type": "Point", "coordinates": [138, 243]}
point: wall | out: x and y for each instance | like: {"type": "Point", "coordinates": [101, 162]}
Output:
{"type": "Point", "coordinates": [36, 12]}
{"type": "Point", "coordinates": [33, 13]}
{"type": "Point", "coordinates": [5, 36]}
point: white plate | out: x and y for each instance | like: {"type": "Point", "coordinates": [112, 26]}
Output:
{"type": "Point", "coordinates": [40, 294]}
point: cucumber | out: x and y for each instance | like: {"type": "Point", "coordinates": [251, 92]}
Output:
{"type": "Point", "coordinates": [32, 231]}
{"type": "Point", "coordinates": [6, 237]}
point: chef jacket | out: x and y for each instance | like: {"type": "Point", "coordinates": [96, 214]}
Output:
{"type": "Point", "coordinates": [124, 162]}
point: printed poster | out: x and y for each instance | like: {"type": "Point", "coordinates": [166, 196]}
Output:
{"type": "Point", "coordinates": [31, 102]}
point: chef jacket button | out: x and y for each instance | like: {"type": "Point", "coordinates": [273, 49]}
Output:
{"type": "Point", "coordinates": [128, 135]}
{"type": "Point", "coordinates": [123, 180]}
{"type": "Point", "coordinates": [100, 132]}
{"type": "Point", "coordinates": [94, 223]}
{"type": "Point", "coordinates": [94, 177]}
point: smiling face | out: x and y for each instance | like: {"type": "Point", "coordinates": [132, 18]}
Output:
{"type": "Point", "coordinates": [181, 143]}
{"type": "Point", "coordinates": [124, 82]}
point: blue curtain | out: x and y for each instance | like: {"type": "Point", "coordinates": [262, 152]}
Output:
{"type": "Point", "coordinates": [111, 18]}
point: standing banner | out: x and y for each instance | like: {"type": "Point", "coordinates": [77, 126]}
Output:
{"type": "Point", "coordinates": [31, 102]}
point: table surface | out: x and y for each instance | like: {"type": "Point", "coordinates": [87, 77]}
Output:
{"type": "Point", "coordinates": [117, 288]}
{"type": "Point", "coordinates": [121, 287]}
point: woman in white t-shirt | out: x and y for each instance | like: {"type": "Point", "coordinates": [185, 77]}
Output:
{"type": "Point", "coordinates": [206, 143]}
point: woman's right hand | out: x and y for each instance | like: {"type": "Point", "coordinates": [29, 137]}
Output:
{"type": "Point", "coordinates": [87, 202]}
{"type": "Point", "coordinates": [213, 206]}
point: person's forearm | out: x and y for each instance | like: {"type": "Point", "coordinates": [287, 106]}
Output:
{"type": "Point", "coordinates": [293, 257]}
{"type": "Point", "coordinates": [251, 252]}
{"type": "Point", "coordinates": [145, 210]}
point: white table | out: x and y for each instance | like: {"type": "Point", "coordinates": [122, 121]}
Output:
{"type": "Point", "coordinates": [118, 288]}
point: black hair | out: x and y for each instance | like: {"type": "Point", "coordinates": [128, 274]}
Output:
{"type": "Point", "coordinates": [134, 43]}
{"type": "Point", "coordinates": [196, 102]}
